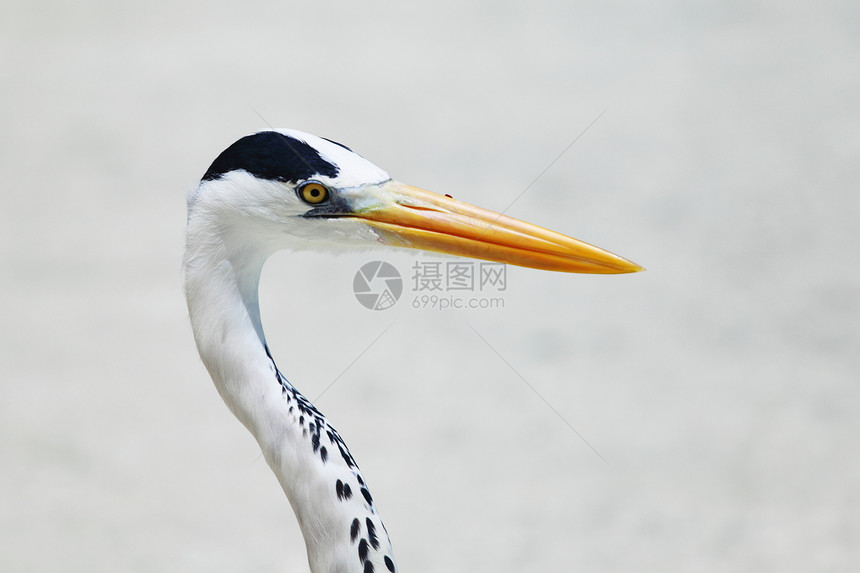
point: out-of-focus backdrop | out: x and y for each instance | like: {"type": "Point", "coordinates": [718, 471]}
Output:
{"type": "Point", "coordinates": [722, 386]}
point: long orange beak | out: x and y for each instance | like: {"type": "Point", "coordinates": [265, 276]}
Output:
{"type": "Point", "coordinates": [414, 218]}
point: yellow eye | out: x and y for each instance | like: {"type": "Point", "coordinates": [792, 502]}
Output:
{"type": "Point", "coordinates": [313, 192]}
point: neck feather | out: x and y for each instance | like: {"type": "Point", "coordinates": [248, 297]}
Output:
{"type": "Point", "coordinates": [328, 493]}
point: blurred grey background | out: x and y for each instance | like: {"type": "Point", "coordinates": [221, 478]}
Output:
{"type": "Point", "coordinates": [721, 386]}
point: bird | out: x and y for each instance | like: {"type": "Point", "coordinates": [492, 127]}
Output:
{"type": "Point", "coordinates": [284, 189]}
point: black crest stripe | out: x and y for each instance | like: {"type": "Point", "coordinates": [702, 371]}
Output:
{"type": "Point", "coordinates": [271, 155]}
{"type": "Point", "coordinates": [337, 143]}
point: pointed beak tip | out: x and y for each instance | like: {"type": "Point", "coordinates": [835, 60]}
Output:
{"type": "Point", "coordinates": [624, 267]}
{"type": "Point", "coordinates": [633, 268]}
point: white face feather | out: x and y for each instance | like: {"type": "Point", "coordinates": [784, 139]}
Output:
{"type": "Point", "coordinates": [249, 212]}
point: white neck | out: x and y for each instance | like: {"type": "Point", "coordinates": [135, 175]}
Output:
{"type": "Point", "coordinates": [328, 494]}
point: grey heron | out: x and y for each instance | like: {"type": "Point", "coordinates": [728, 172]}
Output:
{"type": "Point", "coordinates": [280, 189]}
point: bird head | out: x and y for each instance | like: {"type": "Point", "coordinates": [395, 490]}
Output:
{"type": "Point", "coordinates": [288, 189]}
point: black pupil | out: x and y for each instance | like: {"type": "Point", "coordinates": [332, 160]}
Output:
{"type": "Point", "coordinates": [315, 192]}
